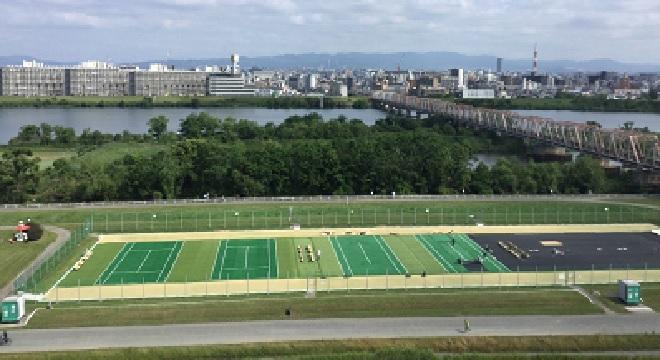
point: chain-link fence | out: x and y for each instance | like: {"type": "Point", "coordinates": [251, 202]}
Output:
{"type": "Point", "coordinates": [347, 284]}
{"type": "Point", "coordinates": [227, 218]}
{"type": "Point", "coordinates": [30, 280]}
{"type": "Point", "coordinates": [333, 199]}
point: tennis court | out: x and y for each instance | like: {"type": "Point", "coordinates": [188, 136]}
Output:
{"type": "Point", "coordinates": [455, 251]}
{"type": "Point", "coordinates": [143, 262]}
{"type": "Point", "coordinates": [366, 255]}
{"type": "Point", "coordinates": [246, 259]}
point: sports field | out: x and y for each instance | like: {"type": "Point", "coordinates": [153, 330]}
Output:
{"type": "Point", "coordinates": [141, 263]}
{"type": "Point", "coordinates": [246, 259]}
{"type": "Point", "coordinates": [178, 261]}
{"type": "Point", "coordinates": [455, 251]}
{"type": "Point", "coordinates": [366, 255]}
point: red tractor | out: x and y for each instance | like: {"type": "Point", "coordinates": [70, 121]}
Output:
{"type": "Point", "coordinates": [27, 231]}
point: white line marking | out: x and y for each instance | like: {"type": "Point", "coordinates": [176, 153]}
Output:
{"type": "Point", "coordinates": [222, 262]}
{"type": "Point", "coordinates": [165, 264]}
{"type": "Point", "coordinates": [118, 262]}
{"type": "Point", "coordinates": [364, 252]}
{"type": "Point", "coordinates": [175, 260]}
{"type": "Point", "coordinates": [435, 252]}
{"type": "Point", "coordinates": [143, 261]}
{"type": "Point", "coordinates": [69, 271]}
{"type": "Point", "coordinates": [277, 263]}
{"type": "Point", "coordinates": [215, 261]}
{"type": "Point", "coordinates": [342, 253]}
{"type": "Point", "coordinates": [246, 251]}
{"type": "Point", "coordinates": [381, 241]}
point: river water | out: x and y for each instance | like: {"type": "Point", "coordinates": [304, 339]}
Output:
{"type": "Point", "coordinates": [116, 120]}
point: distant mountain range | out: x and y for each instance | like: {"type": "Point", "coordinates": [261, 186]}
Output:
{"type": "Point", "coordinates": [390, 61]}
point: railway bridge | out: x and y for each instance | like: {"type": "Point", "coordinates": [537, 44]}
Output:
{"type": "Point", "coordinates": [631, 148]}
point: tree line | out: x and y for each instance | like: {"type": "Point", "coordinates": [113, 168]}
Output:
{"type": "Point", "coordinates": [304, 155]}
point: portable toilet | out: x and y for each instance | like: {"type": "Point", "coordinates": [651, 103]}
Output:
{"type": "Point", "coordinates": [629, 292]}
{"type": "Point", "coordinates": [13, 309]}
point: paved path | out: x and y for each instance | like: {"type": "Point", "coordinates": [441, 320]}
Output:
{"type": "Point", "coordinates": [289, 330]}
{"type": "Point", "coordinates": [61, 235]}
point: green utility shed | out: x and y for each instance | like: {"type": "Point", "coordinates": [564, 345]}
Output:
{"type": "Point", "coordinates": [13, 309]}
{"type": "Point", "coordinates": [629, 292]}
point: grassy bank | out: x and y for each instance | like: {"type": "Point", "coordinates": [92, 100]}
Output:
{"type": "Point", "coordinates": [608, 295]}
{"type": "Point", "coordinates": [549, 347]}
{"type": "Point", "coordinates": [358, 102]}
{"type": "Point", "coordinates": [205, 217]}
{"type": "Point", "coordinates": [330, 305]}
{"type": "Point", "coordinates": [14, 257]}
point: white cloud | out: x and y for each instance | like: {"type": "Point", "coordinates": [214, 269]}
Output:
{"type": "Point", "coordinates": [563, 28]}
{"type": "Point", "coordinates": [79, 19]}
{"type": "Point", "coordinates": [171, 24]}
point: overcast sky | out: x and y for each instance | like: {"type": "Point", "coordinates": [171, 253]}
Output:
{"type": "Point", "coordinates": [130, 30]}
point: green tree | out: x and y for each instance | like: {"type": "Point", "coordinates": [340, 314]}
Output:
{"type": "Point", "coordinates": [158, 126]}
{"type": "Point", "coordinates": [18, 176]}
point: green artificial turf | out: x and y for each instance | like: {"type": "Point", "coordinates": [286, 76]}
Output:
{"type": "Point", "coordinates": [195, 262]}
{"type": "Point", "coordinates": [141, 262]}
{"type": "Point", "coordinates": [413, 255]}
{"type": "Point", "coordinates": [366, 255]}
{"type": "Point", "coordinates": [91, 270]}
{"type": "Point", "coordinates": [246, 259]}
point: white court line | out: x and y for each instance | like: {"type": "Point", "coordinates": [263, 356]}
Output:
{"type": "Point", "coordinates": [277, 263]}
{"type": "Point", "coordinates": [268, 243]}
{"type": "Point", "coordinates": [433, 251]}
{"type": "Point", "coordinates": [163, 268]}
{"type": "Point", "coordinates": [215, 261]}
{"type": "Point", "coordinates": [380, 241]}
{"type": "Point", "coordinates": [246, 251]}
{"type": "Point", "coordinates": [342, 253]}
{"type": "Point", "coordinates": [118, 263]}
{"type": "Point", "coordinates": [144, 260]}
{"type": "Point", "coordinates": [222, 262]}
{"type": "Point", "coordinates": [136, 272]}
{"type": "Point", "coordinates": [252, 268]}
{"type": "Point", "coordinates": [364, 252]}
{"type": "Point", "coordinates": [175, 260]}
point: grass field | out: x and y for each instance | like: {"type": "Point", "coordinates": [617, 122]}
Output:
{"type": "Point", "coordinates": [324, 305]}
{"type": "Point", "coordinates": [413, 256]}
{"type": "Point", "coordinates": [607, 294]}
{"type": "Point", "coordinates": [206, 260]}
{"type": "Point", "coordinates": [15, 257]}
{"type": "Point", "coordinates": [292, 267]}
{"type": "Point", "coordinates": [233, 215]}
{"type": "Point", "coordinates": [470, 347]}
{"type": "Point", "coordinates": [366, 255]}
{"type": "Point", "coordinates": [246, 259]}
{"type": "Point", "coordinates": [195, 262]}
{"type": "Point", "coordinates": [447, 247]}
{"type": "Point", "coordinates": [138, 263]}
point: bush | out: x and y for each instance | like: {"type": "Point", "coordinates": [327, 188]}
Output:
{"type": "Point", "coordinates": [36, 231]}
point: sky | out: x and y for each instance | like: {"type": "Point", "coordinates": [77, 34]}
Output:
{"type": "Point", "coordinates": [134, 30]}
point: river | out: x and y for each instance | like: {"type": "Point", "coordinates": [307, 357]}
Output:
{"type": "Point", "coordinates": [116, 120]}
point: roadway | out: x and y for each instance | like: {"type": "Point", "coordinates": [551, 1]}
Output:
{"type": "Point", "coordinates": [324, 329]}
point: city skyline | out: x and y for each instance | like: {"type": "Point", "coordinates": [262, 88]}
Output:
{"type": "Point", "coordinates": [158, 29]}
